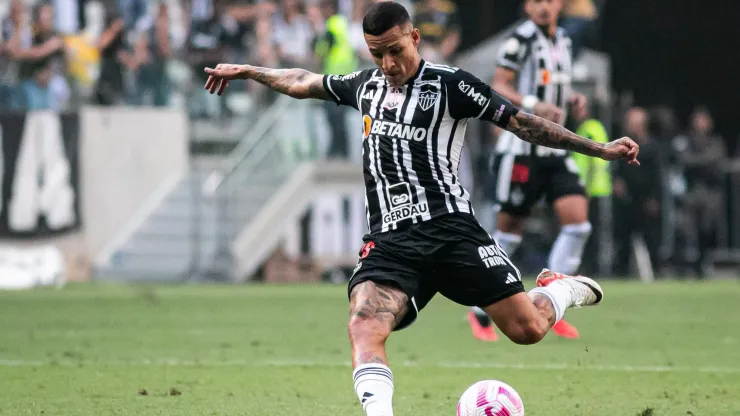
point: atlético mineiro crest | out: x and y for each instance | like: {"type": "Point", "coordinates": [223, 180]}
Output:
{"type": "Point", "coordinates": [427, 99]}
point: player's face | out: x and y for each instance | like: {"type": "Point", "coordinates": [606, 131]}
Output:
{"type": "Point", "coordinates": [636, 124]}
{"type": "Point", "coordinates": [543, 12]}
{"type": "Point", "coordinates": [395, 53]}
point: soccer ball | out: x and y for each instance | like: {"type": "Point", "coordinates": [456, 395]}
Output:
{"type": "Point", "coordinates": [490, 398]}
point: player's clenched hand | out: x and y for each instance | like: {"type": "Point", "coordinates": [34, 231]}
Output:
{"type": "Point", "coordinates": [624, 148]}
{"type": "Point", "coordinates": [549, 112]}
{"type": "Point", "coordinates": [218, 78]}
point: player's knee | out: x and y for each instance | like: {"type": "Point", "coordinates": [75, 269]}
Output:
{"type": "Point", "coordinates": [528, 332]}
{"type": "Point", "coordinates": [510, 224]}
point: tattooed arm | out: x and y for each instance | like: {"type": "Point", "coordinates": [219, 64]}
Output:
{"type": "Point", "coordinates": [295, 82]}
{"type": "Point", "coordinates": [495, 109]}
{"type": "Point", "coordinates": [541, 132]}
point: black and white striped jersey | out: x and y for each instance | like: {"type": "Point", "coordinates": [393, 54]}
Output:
{"type": "Point", "coordinates": [543, 66]}
{"type": "Point", "coordinates": [412, 139]}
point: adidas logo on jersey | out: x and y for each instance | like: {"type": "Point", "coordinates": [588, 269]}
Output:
{"type": "Point", "coordinates": [511, 279]}
{"type": "Point", "coordinates": [369, 95]}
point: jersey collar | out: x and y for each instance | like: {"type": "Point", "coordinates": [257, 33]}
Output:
{"type": "Point", "coordinates": [418, 72]}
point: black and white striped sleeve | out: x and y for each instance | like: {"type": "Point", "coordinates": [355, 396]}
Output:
{"type": "Point", "coordinates": [343, 89]}
{"type": "Point", "coordinates": [513, 52]}
{"type": "Point", "coordinates": [472, 98]}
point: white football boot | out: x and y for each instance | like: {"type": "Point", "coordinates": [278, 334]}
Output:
{"type": "Point", "coordinates": [585, 291]}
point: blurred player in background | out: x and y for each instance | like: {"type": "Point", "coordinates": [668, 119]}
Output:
{"type": "Point", "coordinates": [423, 237]}
{"type": "Point", "coordinates": [534, 72]}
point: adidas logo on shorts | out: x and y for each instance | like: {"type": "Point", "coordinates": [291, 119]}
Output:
{"type": "Point", "coordinates": [511, 279]}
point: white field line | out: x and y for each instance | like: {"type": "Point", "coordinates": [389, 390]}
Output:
{"type": "Point", "coordinates": [310, 363]}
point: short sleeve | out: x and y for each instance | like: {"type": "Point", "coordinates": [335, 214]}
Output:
{"type": "Point", "coordinates": [512, 53]}
{"type": "Point", "coordinates": [469, 97]}
{"type": "Point", "coordinates": [343, 89]}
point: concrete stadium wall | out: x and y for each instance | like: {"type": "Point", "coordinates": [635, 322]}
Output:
{"type": "Point", "coordinates": [127, 156]}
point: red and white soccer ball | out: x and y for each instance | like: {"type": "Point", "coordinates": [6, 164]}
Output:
{"type": "Point", "coordinates": [490, 398]}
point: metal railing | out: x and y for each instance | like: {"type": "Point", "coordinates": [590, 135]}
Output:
{"type": "Point", "coordinates": [251, 173]}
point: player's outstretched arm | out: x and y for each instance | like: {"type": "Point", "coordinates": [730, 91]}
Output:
{"type": "Point", "coordinates": [541, 132]}
{"type": "Point", "coordinates": [294, 82]}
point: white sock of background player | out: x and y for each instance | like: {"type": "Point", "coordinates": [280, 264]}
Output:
{"type": "Point", "coordinates": [509, 242]}
{"type": "Point", "coordinates": [374, 388]}
{"type": "Point", "coordinates": [566, 253]}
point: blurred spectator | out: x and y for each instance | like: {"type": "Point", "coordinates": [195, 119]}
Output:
{"type": "Point", "coordinates": [200, 10]}
{"type": "Point", "coordinates": [251, 20]}
{"type": "Point", "coordinates": [577, 18]}
{"type": "Point", "coordinates": [701, 154]}
{"type": "Point", "coordinates": [23, 59]}
{"type": "Point", "coordinates": [131, 11]}
{"type": "Point", "coordinates": [637, 195]}
{"type": "Point", "coordinates": [438, 23]}
{"type": "Point", "coordinates": [338, 57]}
{"type": "Point", "coordinates": [114, 58]}
{"type": "Point", "coordinates": [251, 40]}
{"type": "Point", "coordinates": [6, 87]}
{"type": "Point", "coordinates": [664, 128]}
{"type": "Point", "coordinates": [597, 180]}
{"type": "Point", "coordinates": [67, 16]}
{"type": "Point", "coordinates": [152, 51]}
{"type": "Point", "coordinates": [292, 35]}
{"type": "Point", "coordinates": [42, 65]}
{"type": "Point", "coordinates": [207, 48]}
{"type": "Point", "coordinates": [356, 35]}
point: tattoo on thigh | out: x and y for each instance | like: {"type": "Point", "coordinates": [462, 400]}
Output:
{"type": "Point", "coordinates": [381, 303]}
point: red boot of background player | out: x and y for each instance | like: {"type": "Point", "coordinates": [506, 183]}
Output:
{"type": "Point", "coordinates": [565, 330]}
{"type": "Point", "coordinates": [480, 332]}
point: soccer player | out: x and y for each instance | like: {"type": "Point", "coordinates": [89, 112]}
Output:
{"type": "Point", "coordinates": [534, 73]}
{"type": "Point", "coordinates": [423, 237]}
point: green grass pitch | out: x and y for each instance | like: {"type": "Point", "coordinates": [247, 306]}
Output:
{"type": "Point", "coordinates": [667, 349]}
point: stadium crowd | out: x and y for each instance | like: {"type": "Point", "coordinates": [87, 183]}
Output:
{"type": "Point", "coordinates": [57, 54]}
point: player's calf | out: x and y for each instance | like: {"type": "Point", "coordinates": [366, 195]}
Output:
{"type": "Point", "coordinates": [566, 253]}
{"type": "Point", "coordinates": [375, 310]}
{"type": "Point", "coordinates": [525, 319]}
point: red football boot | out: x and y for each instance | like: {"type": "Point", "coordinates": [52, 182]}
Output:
{"type": "Point", "coordinates": [480, 332]}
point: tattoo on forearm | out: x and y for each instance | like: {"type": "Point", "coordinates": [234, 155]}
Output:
{"type": "Point", "coordinates": [541, 132]}
{"type": "Point", "coordinates": [295, 82]}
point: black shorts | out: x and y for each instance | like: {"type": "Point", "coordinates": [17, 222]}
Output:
{"type": "Point", "coordinates": [520, 181]}
{"type": "Point", "coordinates": [451, 254]}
